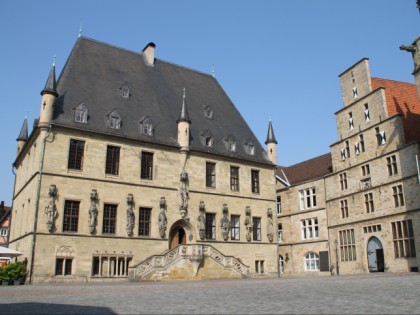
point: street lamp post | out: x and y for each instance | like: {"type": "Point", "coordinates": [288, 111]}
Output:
{"type": "Point", "coordinates": [336, 257]}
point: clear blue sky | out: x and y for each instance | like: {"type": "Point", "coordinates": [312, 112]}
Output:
{"type": "Point", "coordinates": [272, 57]}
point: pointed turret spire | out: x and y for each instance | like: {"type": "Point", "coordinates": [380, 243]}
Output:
{"type": "Point", "coordinates": [50, 85]}
{"type": "Point", "coordinates": [23, 135]}
{"type": "Point", "coordinates": [271, 138]}
{"type": "Point", "coordinates": [183, 116]}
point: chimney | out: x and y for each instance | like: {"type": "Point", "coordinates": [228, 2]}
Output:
{"type": "Point", "coordinates": [149, 53]}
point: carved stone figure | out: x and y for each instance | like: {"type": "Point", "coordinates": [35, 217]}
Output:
{"type": "Point", "coordinates": [163, 222]}
{"type": "Point", "coordinates": [93, 211]}
{"type": "Point", "coordinates": [270, 227]}
{"type": "Point", "coordinates": [51, 209]}
{"type": "Point", "coordinates": [201, 221]}
{"type": "Point", "coordinates": [130, 214]}
{"type": "Point", "coordinates": [414, 49]}
{"type": "Point", "coordinates": [183, 194]}
{"type": "Point", "coordinates": [225, 223]}
{"type": "Point", "coordinates": [248, 223]}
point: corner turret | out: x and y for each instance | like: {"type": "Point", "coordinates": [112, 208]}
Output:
{"type": "Point", "coordinates": [184, 131]}
{"type": "Point", "coordinates": [23, 136]}
{"type": "Point", "coordinates": [49, 95]}
{"type": "Point", "coordinates": [271, 144]}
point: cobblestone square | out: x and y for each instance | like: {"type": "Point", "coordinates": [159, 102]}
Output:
{"type": "Point", "coordinates": [361, 294]}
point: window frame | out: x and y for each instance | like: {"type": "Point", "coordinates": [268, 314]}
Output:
{"type": "Point", "coordinates": [76, 155]}
{"type": "Point", "coordinates": [369, 202]}
{"type": "Point", "coordinates": [146, 165]}
{"type": "Point", "coordinates": [255, 181]}
{"type": "Point", "coordinates": [145, 221]}
{"type": "Point", "coordinates": [278, 205]}
{"type": "Point", "coordinates": [256, 229]}
{"type": "Point", "coordinates": [403, 239]}
{"type": "Point", "coordinates": [210, 226]}
{"type": "Point", "coordinates": [343, 180]}
{"type": "Point", "coordinates": [398, 196]}
{"type": "Point", "coordinates": [112, 162]}
{"type": "Point", "coordinates": [235, 227]}
{"type": "Point", "coordinates": [234, 178]}
{"type": "Point", "coordinates": [309, 228]}
{"type": "Point", "coordinates": [347, 243]}
{"type": "Point", "coordinates": [344, 208]}
{"type": "Point", "coordinates": [109, 222]}
{"type": "Point", "coordinates": [307, 198]}
{"type": "Point", "coordinates": [392, 165]}
{"type": "Point", "coordinates": [71, 216]}
{"type": "Point", "coordinates": [311, 260]}
{"type": "Point", "coordinates": [210, 174]}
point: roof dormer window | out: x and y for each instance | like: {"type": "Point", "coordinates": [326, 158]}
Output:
{"type": "Point", "coordinates": [125, 91]}
{"type": "Point", "coordinates": [208, 111]}
{"type": "Point", "coordinates": [80, 113]}
{"type": "Point", "coordinates": [249, 147]}
{"type": "Point", "coordinates": [114, 120]}
{"type": "Point", "coordinates": [146, 126]}
{"type": "Point", "coordinates": [207, 139]}
{"type": "Point", "coordinates": [230, 143]}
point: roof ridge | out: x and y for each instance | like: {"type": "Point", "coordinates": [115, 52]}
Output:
{"type": "Point", "coordinates": [375, 78]}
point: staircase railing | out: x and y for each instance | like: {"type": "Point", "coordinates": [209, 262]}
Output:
{"type": "Point", "coordinates": [194, 252]}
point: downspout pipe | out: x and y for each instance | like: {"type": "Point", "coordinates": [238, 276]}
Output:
{"type": "Point", "coordinates": [38, 192]}
{"type": "Point", "coordinates": [417, 164]}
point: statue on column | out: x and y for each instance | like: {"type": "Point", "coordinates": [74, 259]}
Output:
{"type": "Point", "coordinates": [93, 211]}
{"type": "Point", "coordinates": [163, 221]}
{"type": "Point", "coordinates": [225, 223]}
{"type": "Point", "coordinates": [130, 214]}
{"type": "Point", "coordinates": [51, 209]}
{"type": "Point", "coordinates": [201, 221]}
{"type": "Point", "coordinates": [270, 225]}
{"type": "Point", "coordinates": [183, 194]}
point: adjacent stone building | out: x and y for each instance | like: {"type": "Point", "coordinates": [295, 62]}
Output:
{"type": "Point", "coordinates": [357, 209]}
{"type": "Point", "coordinates": [144, 169]}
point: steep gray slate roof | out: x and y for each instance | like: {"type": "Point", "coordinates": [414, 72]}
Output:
{"type": "Point", "coordinates": [95, 72]}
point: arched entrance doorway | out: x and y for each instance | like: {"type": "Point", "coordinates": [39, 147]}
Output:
{"type": "Point", "coordinates": [178, 236]}
{"type": "Point", "coordinates": [375, 255]}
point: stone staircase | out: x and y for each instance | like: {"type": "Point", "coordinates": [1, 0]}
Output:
{"type": "Point", "coordinates": [188, 261]}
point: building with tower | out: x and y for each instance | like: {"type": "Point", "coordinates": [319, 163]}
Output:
{"type": "Point", "coordinates": [138, 168]}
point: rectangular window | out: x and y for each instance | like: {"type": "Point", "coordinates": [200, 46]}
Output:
{"type": "Point", "coordinates": [343, 180]}
{"type": "Point", "coordinates": [372, 228]}
{"type": "Point", "coordinates": [280, 232]}
{"type": "Point", "coordinates": [234, 227]}
{"type": "Point", "coordinates": [144, 221]}
{"type": "Point", "coordinates": [365, 170]}
{"type": "Point", "coordinates": [256, 229]}
{"type": "Point", "coordinates": [255, 181]}
{"type": "Point", "coordinates": [76, 152]}
{"type": "Point", "coordinates": [112, 160]}
{"type": "Point", "coordinates": [146, 165]}
{"type": "Point", "coordinates": [63, 266]}
{"type": "Point", "coordinates": [3, 231]}
{"type": "Point", "coordinates": [351, 123]}
{"type": "Point", "coordinates": [71, 216]}
{"type": "Point", "coordinates": [309, 228]}
{"type": "Point", "coordinates": [380, 136]}
{"type": "Point", "coordinates": [347, 245]}
{"type": "Point", "coordinates": [397, 193]}
{"type": "Point", "coordinates": [369, 206]}
{"type": "Point", "coordinates": [391, 163]}
{"type": "Point", "coordinates": [210, 226]}
{"type": "Point", "coordinates": [259, 266]}
{"type": "Point", "coordinates": [234, 178]}
{"type": "Point", "coordinates": [307, 198]}
{"type": "Point", "coordinates": [403, 236]}
{"type": "Point", "coordinates": [347, 148]}
{"type": "Point", "coordinates": [278, 205]}
{"type": "Point", "coordinates": [362, 143]}
{"type": "Point", "coordinates": [110, 219]}
{"type": "Point", "coordinates": [344, 208]}
{"type": "Point", "coordinates": [210, 174]}
{"type": "Point", "coordinates": [367, 114]}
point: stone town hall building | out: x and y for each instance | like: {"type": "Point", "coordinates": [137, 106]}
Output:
{"type": "Point", "coordinates": [144, 169]}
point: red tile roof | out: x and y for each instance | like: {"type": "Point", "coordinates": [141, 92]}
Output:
{"type": "Point", "coordinates": [402, 98]}
{"type": "Point", "coordinates": [311, 169]}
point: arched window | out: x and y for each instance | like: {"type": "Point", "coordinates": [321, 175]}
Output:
{"type": "Point", "coordinates": [80, 113]}
{"type": "Point", "coordinates": [64, 261]}
{"type": "Point", "coordinates": [311, 262]}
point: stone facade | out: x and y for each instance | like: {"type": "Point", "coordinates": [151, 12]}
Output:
{"type": "Point", "coordinates": [89, 226]}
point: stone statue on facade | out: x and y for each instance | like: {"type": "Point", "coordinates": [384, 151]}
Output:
{"type": "Point", "coordinates": [183, 194]}
{"type": "Point", "coordinates": [93, 211]}
{"type": "Point", "coordinates": [225, 223]}
{"type": "Point", "coordinates": [51, 209]}
{"type": "Point", "coordinates": [414, 49]}
{"type": "Point", "coordinates": [162, 221]}
{"type": "Point", "coordinates": [201, 221]}
{"type": "Point", "coordinates": [248, 223]}
{"type": "Point", "coordinates": [130, 214]}
{"type": "Point", "coordinates": [270, 225]}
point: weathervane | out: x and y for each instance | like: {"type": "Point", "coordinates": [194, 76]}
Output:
{"type": "Point", "coordinates": [80, 29]}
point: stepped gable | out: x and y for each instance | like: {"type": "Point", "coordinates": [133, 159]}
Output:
{"type": "Point", "coordinates": [402, 99]}
{"type": "Point", "coordinates": [95, 73]}
{"type": "Point", "coordinates": [311, 169]}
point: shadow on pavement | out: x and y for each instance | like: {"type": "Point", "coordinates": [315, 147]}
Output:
{"type": "Point", "coordinates": [45, 308]}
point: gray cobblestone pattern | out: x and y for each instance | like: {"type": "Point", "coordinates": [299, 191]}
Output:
{"type": "Point", "coordinates": [362, 294]}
